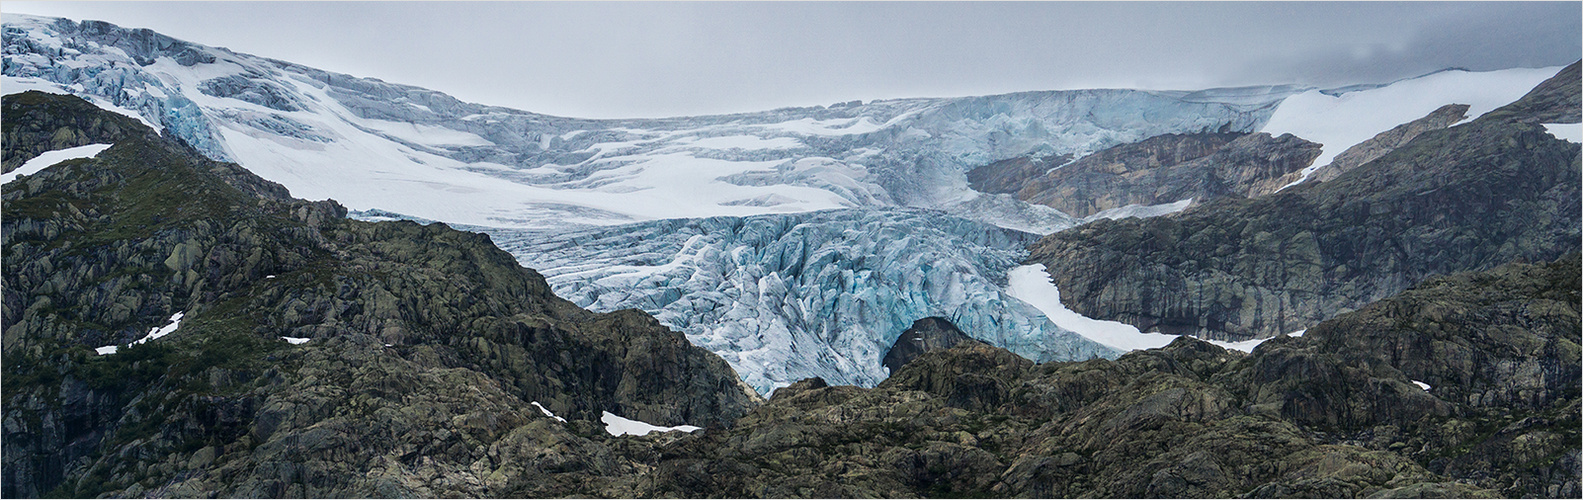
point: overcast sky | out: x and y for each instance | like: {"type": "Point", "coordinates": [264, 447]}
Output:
{"type": "Point", "coordinates": [615, 59]}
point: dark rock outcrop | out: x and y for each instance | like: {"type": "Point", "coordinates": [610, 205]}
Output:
{"type": "Point", "coordinates": [928, 334]}
{"type": "Point", "coordinates": [1158, 170]}
{"type": "Point", "coordinates": [427, 345]}
{"type": "Point", "coordinates": [1465, 198]}
{"type": "Point", "coordinates": [36, 123]}
{"type": "Point", "coordinates": [1334, 414]}
{"type": "Point", "coordinates": [1010, 175]}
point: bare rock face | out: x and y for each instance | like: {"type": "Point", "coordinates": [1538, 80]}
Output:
{"type": "Point", "coordinates": [1465, 198]}
{"type": "Point", "coordinates": [1120, 175]}
{"type": "Point", "coordinates": [1008, 176]}
{"type": "Point", "coordinates": [928, 334]}
{"type": "Point", "coordinates": [1158, 170]}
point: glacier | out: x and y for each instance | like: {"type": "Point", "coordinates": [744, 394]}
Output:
{"type": "Point", "coordinates": [376, 145]}
{"type": "Point", "coordinates": [793, 242]}
{"type": "Point", "coordinates": [783, 297]}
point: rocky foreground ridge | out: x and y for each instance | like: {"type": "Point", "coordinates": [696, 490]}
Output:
{"type": "Point", "coordinates": [1336, 413]}
{"type": "Point", "coordinates": [425, 342]}
{"type": "Point", "coordinates": [1469, 197]}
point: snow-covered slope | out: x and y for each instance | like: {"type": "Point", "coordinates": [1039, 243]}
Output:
{"type": "Point", "coordinates": [376, 145]}
{"type": "Point", "coordinates": [1341, 120]}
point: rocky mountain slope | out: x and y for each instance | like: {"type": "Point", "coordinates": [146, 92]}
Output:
{"type": "Point", "coordinates": [1465, 386]}
{"type": "Point", "coordinates": [1469, 197]}
{"type": "Point", "coordinates": [413, 349]}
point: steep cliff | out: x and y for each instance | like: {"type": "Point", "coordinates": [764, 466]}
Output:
{"type": "Point", "coordinates": [1465, 198]}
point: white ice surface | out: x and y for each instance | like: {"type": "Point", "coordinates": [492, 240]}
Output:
{"type": "Point", "coordinates": [295, 340]}
{"type": "Point", "coordinates": [746, 142]}
{"type": "Point", "coordinates": [1566, 131]}
{"type": "Point", "coordinates": [1032, 284]}
{"type": "Point", "coordinates": [547, 412]}
{"type": "Point", "coordinates": [48, 158]}
{"type": "Point", "coordinates": [16, 85]}
{"type": "Point", "coordinates": [428, 135]}
{"type": "Point", "coordinates": [1340, 122]}
{"type": "Point", "coordinates": [618, 426]}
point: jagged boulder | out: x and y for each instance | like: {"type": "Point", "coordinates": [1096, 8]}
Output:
{"type": "Point", "coordinates": [927, 334]}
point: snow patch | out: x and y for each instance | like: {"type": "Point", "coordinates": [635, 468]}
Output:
{"type": "Point", "coordinates": [1421, 385]}
{"type": "Point", "coordinates": [153, 334]}
{"type": "Point", "coordinates": [1340, 122]}
{"type": "Point", "coordinates": [1572, 132]}
{"type": "Point", "coordinates": [295, 340]}
{"type": "Point", "coordinates": [169, 328]}
{"type": "Point", "coordinates": [618, 426]}
{"type": "Point", "coordinates": [547, 412]}
{"type": "Point", "coordinates": [50, 158]}
{"type": "Point", "coordinates": [1032, 284]}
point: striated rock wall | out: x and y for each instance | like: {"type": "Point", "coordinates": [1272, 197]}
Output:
{"type": "Point", "coordinates": [1159, 170]}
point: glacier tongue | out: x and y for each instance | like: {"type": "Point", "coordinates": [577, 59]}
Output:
{"type": "Point", "coordinates": [784, 297]}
